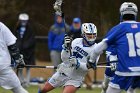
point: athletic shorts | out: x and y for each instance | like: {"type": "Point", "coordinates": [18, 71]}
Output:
{"type": "Point", "coordinates": [60, 79]}
{"type": "Point", "coordinates": [8, 79]}
{"type": "Point", "coordinates": [124, 82]}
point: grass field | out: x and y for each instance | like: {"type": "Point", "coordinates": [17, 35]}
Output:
{"type": "Point", "coordinates": [33, 89]}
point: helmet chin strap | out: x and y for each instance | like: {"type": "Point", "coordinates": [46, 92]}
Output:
{"type": "Point", "coordinates": [87, 43]}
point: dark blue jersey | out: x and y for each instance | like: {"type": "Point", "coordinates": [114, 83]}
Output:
{"type": "Point", "coordinates": [126, 39]}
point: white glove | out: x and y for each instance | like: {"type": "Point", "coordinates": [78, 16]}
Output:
{"type": "Point", "coordinates": [113, 66]}
{"type": "Point", "coordinates": [20, 62]}
{"type": "Point", "coordinates": [67, 41]}
{"type": "Point", "coordinates": [74, 62]}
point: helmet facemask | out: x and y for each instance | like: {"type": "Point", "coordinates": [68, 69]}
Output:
{"type": "Point", "coordinates": [89, 33]}
{"type": "Point", "coordinates": [90, 37]}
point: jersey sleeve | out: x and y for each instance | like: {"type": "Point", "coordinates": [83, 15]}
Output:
{"type": "Point", "coordinates": [111, 36]}
{"type": "Point", "coordinates": [73, 44]}
{"type": "Point", "coordinates": [8, 37]}
{"type": "Point", "coordinates": [111, 54]}
{"type": "Point", "coordinates": [83, 66]}
{"type": "Point", "coordinates": [65, 55]}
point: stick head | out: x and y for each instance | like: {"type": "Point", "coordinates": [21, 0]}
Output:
{"type": "Point", "coordinates": [57, 7]}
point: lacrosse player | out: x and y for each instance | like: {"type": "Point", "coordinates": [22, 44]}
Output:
{"type": "Point", "coordinates": [109, 72]}
{"type": "Point", "coordinates": [8, 78]}
{"type": "Point", "coordinates": [72, 71]}
{"type": "Point", "coordinates": [125, 36]}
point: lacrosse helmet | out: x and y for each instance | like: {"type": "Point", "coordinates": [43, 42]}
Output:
{"type": "Point", "coordinates": [89, 33]}
{"type": "Point", "coordinates": [128, 8]}
{"type": "Point", "coordinates": [24, 17]}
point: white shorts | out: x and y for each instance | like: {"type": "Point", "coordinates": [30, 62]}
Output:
{"type": "Point", "coordinates": [8, 79]}
{"type": "Point", "coordinates": [60, 79]}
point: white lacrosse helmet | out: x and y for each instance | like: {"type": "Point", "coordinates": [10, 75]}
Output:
{"type": "Point", "coordinates": [128, 8]}
{"type": "Point", "coordinates": [89, 32]}
{"type": "Point", "coordinates": [24, 16]}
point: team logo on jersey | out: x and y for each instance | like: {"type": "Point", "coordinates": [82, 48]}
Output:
{"type": "Point", "coordinates": [81, 51]}
{"type": "Point", "coordinates": [134, 26]}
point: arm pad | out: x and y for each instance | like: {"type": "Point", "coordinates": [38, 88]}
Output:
{"type": "Point", "coordinates": [65, 55]}
{"type": "Point", "coordinates": [14, 51]}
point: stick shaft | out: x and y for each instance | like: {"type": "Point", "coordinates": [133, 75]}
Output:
{"type": "Point", "coordinates": [103, 63]}
{"type": "Point", "coordinates": [103, 66]}
{"type": "Point", "coordinates": [52, 67]}
{"type": "Point", "coordinates": [66, 32]}
{"type": "Point", "coordinates": [34, 66]}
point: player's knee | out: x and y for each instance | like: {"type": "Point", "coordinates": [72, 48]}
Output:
{"type": "Point", "coordinates": [113, 90]}
{"type": "Point", "coordinates": [43, 88]}
{"type": "Point", "coordinates": [131, 90]}
{"type": "Point", "coordinates": [104, 86]}
{"type": "Point", "coordinates": [40, 91]}
{"type": "Point", "coordinates": [70, 89]}
{"type": "Point", "coordinates": [105, 83]}
{"type": "Point", "coordinates": [19, 90]}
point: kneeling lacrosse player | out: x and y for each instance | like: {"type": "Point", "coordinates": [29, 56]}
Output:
{"type": "Point", "coordinates": [72, 71]}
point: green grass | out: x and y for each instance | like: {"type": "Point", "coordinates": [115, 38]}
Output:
{"type": "Point", "coordinates": [34, 89]}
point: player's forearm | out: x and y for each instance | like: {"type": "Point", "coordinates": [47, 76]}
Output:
{"type": "Point", "coordinates": [98, 49]}
{"type": "Point", "coordinates": [14, 51]}
{"type": "Point", "coordinates": [65, 55]}
{"type": "Point", "coordinates": [83, 66]}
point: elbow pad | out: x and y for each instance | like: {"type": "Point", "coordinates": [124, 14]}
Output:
{"type": "Point", "coordinates": [14, 51]}
{"type": "Point", "coordinates": [113, 58]}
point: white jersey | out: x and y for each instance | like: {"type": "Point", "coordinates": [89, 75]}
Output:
{"type": "Point", "coordinates": [82, 53]}
{"type": "Point", "coordinates": [6, 39]}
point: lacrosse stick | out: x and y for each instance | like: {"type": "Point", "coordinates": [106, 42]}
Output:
{"type": "Point", "coordinates": [57, 7]}
{"type": "Point", "coordinates": [53, 67]}
{"type": "Point", "coordinates": [35, 66]}
{"type": "Point", "coordinates": [100, 66]}
{"type": "Point", "coordinates": [104, 63]}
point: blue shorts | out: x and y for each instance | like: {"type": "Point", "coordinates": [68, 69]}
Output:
{"type": "Point", "coordinates": [124, 82]}
{"type": "Point", "coordinates": [136, 84]}
{"type": "Point", "coordinates": [108, 72]}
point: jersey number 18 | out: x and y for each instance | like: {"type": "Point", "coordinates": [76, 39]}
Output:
{"type": "Point", "coordinates": [133, 42]}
